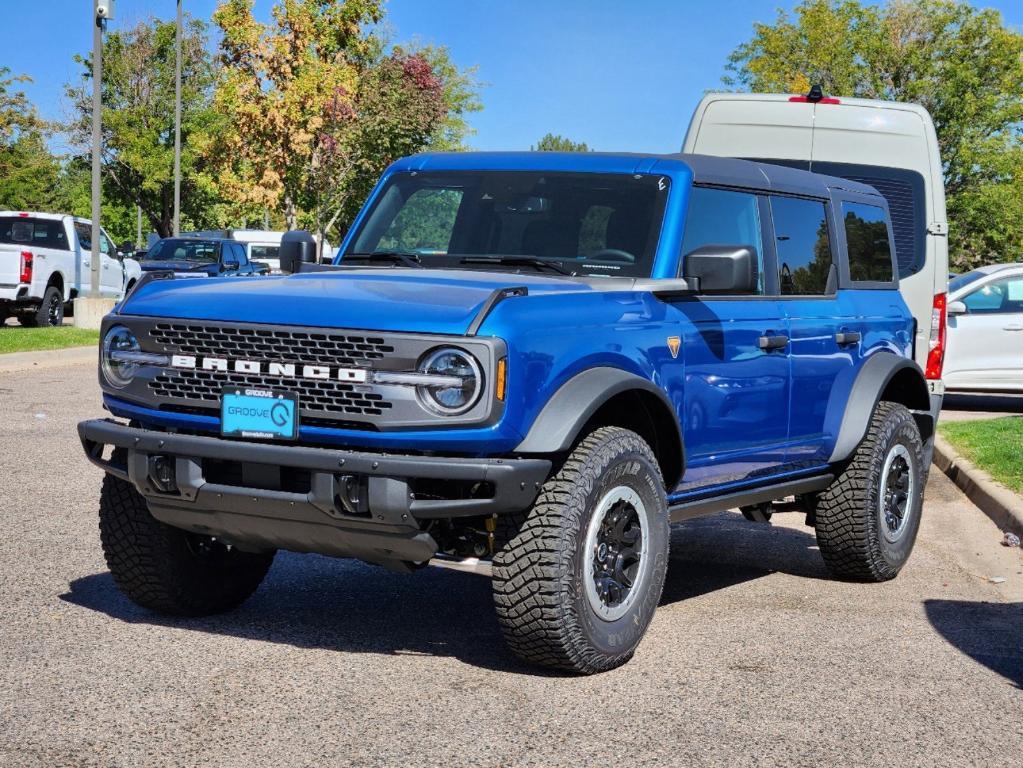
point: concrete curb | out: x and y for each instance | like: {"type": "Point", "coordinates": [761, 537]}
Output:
{"type": "Point", "coordinates": [996, 501]}
{"type": "Point", "coordinates": [48, 358]}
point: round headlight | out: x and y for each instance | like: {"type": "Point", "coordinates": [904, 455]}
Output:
{"type": "Point", "coordinates": [462, 391]}
{"type": "Point", "coordinates": [119, 372]}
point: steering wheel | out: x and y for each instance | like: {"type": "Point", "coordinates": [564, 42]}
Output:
{"type": "Point", "coordinates": [613, 254]}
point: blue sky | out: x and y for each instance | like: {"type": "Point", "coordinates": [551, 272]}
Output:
{"type": "Point", "coordinates": [617, 75]}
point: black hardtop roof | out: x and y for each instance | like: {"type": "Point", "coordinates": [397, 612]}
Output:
{"type": "Point", "coordinates": [707, 169]}
{"type": "Point", "coordinates": [732, 172]}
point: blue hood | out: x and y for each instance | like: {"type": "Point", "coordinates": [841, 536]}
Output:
{"type": "Point", "coordinates": [417, 301]}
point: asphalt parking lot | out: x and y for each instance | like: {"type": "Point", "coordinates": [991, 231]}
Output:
{"type": "Point", "coordinates": [754, 658]}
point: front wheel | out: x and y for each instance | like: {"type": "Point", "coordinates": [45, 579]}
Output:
{"type": "Point", "coordinates": [166, 569]}
{"type": "Point", "coordinates": [867, 520]}
{"type": "Point", "coordinates": [577, 578]}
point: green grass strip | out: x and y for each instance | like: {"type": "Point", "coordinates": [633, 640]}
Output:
{"type": "Point", "coordinates": [994, 445]}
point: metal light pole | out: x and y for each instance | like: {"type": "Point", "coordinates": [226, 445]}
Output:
{"type": "Point", "coordinates": [101, 12]}
{"type": "Point", "coordinates": [177, 126]}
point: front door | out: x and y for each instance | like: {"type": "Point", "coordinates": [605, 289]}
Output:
{"type": "Point", "coordinates": [736, 397]}
{"type": "Point", "coordinates": [984, 343]}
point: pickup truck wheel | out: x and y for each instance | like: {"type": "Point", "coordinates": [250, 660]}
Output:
{"type": "Point", "coordinates": [49, 313]}
{"type": "Point", "coordinates": [578, 577]}
{"type": "Point", "coordinates": [166, 569]}
{"type": "Point", "coordinates": [867, 520]}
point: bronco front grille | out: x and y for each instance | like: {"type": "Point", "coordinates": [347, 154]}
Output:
{"type": "Point", "coordinates": [320, 400]}
{"type": "Point", "coordinates": [318, 397]}
{"type": "Point", "coordinates": [272, 344]}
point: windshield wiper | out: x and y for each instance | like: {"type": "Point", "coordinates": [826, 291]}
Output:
{"type": "Point", "coordinates": [408, 258]}
{"type": "Point", "coordinates": [518, 261]}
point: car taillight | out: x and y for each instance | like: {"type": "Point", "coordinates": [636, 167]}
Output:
{"type": "Point", "coordinates": [936, 344]}
{"type": "Point", "coordinates": [26, 267]}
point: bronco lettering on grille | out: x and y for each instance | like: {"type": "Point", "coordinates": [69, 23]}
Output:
{"type": "Point", "coordinates": [284, 370]}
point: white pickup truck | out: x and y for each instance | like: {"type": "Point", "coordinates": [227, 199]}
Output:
{"type": "Point", "coordinates": [45, 262]}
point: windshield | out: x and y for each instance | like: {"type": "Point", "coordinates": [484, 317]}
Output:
{"type": "Point", "coordinates": [173, 249]}
{"type": "Point", "coordinates": [964, 280]}
{"type": "Point", "coordinates": [580, 223]}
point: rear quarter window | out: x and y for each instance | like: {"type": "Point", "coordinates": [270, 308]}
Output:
{"type": "Point", "coordinates": [866, 236]}
{"type": "Point", "coordinates": [30, 232]}
{"type": "Point", "coordinates": [803, 246]}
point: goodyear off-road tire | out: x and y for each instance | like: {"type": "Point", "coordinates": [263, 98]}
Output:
{"type": "Point", "coordinates": [168, 570]}
{"type": "Point", "coordinates": [49, 313]}
{"type": "Point", "coordinates": [867, 520]}
{"type": "Point", "coordinates": [577, 578]}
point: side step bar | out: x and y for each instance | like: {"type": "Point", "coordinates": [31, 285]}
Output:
{"type": "Point", "coordinates": [687, 510]}
{"type": "Point", "coordinates": [463, 564]}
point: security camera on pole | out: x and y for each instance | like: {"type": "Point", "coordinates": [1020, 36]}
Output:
{"type": "Point", "coordinates": [90, 309]}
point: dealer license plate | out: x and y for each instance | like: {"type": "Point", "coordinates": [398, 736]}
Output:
{"type": "Point", "coordinates": [261, 413]}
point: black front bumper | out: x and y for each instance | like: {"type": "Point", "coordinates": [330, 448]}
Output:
{"type": "Point", "coordinates": [255, 509]}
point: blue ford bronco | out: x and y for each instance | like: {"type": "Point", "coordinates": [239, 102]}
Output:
{"type": "Point", "coordinates": [526, 365]}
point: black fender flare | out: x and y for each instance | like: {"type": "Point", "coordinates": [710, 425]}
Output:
{"type": "Point", "coordinates": [874, 376]}
{"type": "Point", "coordinates": [559, 423]}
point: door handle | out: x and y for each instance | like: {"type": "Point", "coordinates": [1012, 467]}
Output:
{"type": "Point", "coordinates": [847, 337]}
{"type": "Point", "coordinates": [768, 343]}
{"type": "Point", "coordinates": [1013, 327]}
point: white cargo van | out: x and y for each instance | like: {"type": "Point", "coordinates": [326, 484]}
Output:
{"type": "Point", "coordinates": [889, 145]}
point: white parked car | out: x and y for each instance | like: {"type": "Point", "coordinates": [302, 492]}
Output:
{"type": "Point", "coordinates": [985, 330]}
{"type": "Point", "coordinates": [45, 262]}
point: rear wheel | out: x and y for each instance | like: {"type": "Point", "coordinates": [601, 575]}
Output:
{"type": "Point", "coordinates": [49, 313]}
{"type": "Point", "coordinates": [867, 520]}
{"type": "Point", "coordinates": [166, 569]}
{"type": "Point", "coordinates": [577, 578]}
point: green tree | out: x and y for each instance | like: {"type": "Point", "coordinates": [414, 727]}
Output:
{"type": "Point", "coordinates": [961, 63]}
{"type": "Point", "coordinates": [28, 170]}
{"type": "Point", "coordinates": [138, 122]}
{"type": "Point", "coordinates": [554, 142]}
{"type": "Point", "coordinates": [318, 105]}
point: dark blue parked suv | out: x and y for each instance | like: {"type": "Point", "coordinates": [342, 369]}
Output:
{"type": "Point", "coordinates": [526, 365]}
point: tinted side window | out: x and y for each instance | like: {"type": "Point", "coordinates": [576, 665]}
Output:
{"type": "Point", "coordinates": [1001, 297]}
{"type": "Point", "coordinates": [84, 232]}
{"type": "Point", "coordinates": [804, 250]}
{"type": "Point", "coordinates": [724, 217]}
{"type": "Point", "coordinates": [866, 233]}
{"type": "Point", "coordinates": [29, 232]}
{"type": "Point", "coordinates": [242, 258]}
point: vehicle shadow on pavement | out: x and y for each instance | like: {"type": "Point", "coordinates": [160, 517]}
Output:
{"type": "Point", "coordinates": [713, 553]}
{"type": "Point", "coordinates": [308, 601]}
{"type": "Point", "coordinates": [989, 633]}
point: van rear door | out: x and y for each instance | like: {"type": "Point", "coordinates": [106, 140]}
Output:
{"type": "Point", "coordinates": [752, 126]}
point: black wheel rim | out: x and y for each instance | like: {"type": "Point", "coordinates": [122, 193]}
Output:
{"type": "Point", "coordinates": [616, 561]}
{"type": "Point", "coordinates": [53, 311]}
{"type": "Point", "coordinates": [615, 542]}
{"type": "Point", "coordinates": [897, 492]}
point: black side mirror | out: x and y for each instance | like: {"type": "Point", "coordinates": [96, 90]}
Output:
{"type": "Point", "coordinates": [297, 247]}
{"type": "Point", "coordinates": [723, 268]}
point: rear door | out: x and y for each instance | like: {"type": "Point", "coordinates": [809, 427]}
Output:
{"type": "Point", "coordinates": [816, 312]}
{"type": "Point", "coordinates": [984, 345]}
{"type": "Point", "coordinates": [736, 396]}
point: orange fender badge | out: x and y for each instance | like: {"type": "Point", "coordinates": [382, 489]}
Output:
{"type": "Point", "coordinates": [674, 342]}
